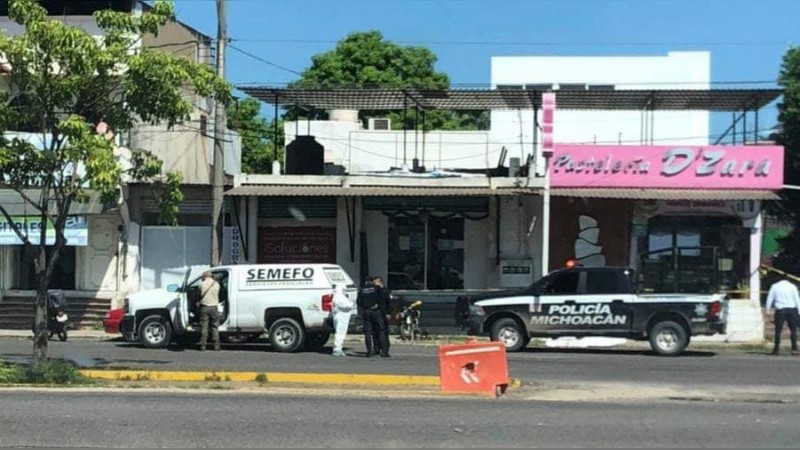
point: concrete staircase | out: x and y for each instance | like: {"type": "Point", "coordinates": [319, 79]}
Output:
{"type": "Point", "coordinates": [16, 312]}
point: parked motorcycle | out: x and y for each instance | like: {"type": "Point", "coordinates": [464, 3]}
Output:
{"type": "Point", "coordinates": [409, 321]}
{"type": "Point", "coordinates": [58, 320]}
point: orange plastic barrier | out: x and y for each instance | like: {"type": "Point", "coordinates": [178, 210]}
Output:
{"type": "Point", "coordinates": [474, 367]}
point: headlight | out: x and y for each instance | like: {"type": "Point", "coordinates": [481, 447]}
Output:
{"type": "Point", "coordinates": [475, 310]}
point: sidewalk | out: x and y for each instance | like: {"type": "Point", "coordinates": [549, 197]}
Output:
{"type": "Point", "coordinates": [351, 339]}
{"type": "Point", "coordinates": [73, 334]}
{"type": "Point", "coordinates": [357, 339]}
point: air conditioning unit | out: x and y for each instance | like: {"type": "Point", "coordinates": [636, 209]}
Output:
{"type": "Point", "coordinates": [380, 124]}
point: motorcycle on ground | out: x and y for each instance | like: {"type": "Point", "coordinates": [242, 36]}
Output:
{"type": "Point", "coordinates": [409, 321]}
{"type": "Point", "coordinates": [58, 320]}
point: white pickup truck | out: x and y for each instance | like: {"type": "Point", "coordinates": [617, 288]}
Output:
{"type": "Point", "coordinates": [290, 302]}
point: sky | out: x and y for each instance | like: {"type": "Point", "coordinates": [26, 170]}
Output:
{"type": "Point", "coordinates": [746, 38]}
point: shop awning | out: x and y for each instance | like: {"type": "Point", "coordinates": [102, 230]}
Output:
{"type": "Point", "coordinates": [15, 205]}
{"type": "Point", "coordinates": [373, 191]}
{"type": "Point", "coordinates": [665, 194]}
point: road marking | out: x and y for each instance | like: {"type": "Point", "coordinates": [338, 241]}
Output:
{"type": "Point", "coordinates": [473, 350]}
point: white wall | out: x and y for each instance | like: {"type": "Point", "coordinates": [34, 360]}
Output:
{"type": "Point", "coordinates": [185, 149]}
{"type": "Point", "coordinates": [168, 252]}
{"type": "Point", "coordinates": [479, 263]}
{"type": "Point", "coordinates": [673, 71]}
{"type": "Point", "coordinates": [361, 150]}
{"type": "Point", "coordinates": [97, 262]}
{"type": "Point", "coordinates": [516, 216]}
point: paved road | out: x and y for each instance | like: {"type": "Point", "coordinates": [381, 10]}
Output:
{"type": "Point", "coordinates": [238, 420]}
{"type": "Point", "coordinates": [730, 368]}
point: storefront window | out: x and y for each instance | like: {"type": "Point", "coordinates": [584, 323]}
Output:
{"type": "Point", "coordinates": [694, 254]}
{"type": "Point", "coordinates": [426, 252]}
{"type": "Point", "coordinates": [406, 253]}
{"type": "Point", "coordinates": [63, 274]}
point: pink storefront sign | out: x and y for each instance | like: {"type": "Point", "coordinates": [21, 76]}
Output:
{"type": "Point", "coordinates": [668, 166]}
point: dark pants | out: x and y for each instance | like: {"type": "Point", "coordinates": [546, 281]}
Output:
{"type": "Point", "coordinates": [375, 337]}
{"type": "Point", "coordinates": [790, 316]}
{"type": "Point", "coordinates": [385, 333]}
{"type": "Point", "coordinates": [209, 317]}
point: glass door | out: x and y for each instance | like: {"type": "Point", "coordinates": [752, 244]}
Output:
{"type": "Point", "coordinates": [426, 252]}
{"type": "Point", "coordinates": [446, 253]}
{"type": "Point", "coordinates": [407, 253]}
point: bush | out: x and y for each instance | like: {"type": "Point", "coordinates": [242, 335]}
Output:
{"type": "Point", "coordinates": [53, 372]}
{"type": "Point", "coordinates": [9, 373]}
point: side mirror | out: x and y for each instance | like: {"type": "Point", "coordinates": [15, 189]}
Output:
{"type": "Point", "coordinates": [173, 288]}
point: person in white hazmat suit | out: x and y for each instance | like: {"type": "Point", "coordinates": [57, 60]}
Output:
{"type": "Point", "coordinates": [342, 310]}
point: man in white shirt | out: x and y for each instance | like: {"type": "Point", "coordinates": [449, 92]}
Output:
{"type": "Point", "coordinates": [784, 298]}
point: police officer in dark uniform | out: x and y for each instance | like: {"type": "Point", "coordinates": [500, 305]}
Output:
{"type": "Point", "coordinates": [385, 300]}
{"type": "Point", "coordinates": [369, 303]}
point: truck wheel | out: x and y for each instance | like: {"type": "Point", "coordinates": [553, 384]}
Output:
{"type": "Point", "coordinates": [155, 332]}
{"type": "Point", "coordinates": [317, 341]}
{"type": "Point", "coordinates": [508, 332]}
{"type": "Point", "coordinates": [286, 335]}
{"type": "Point", "coordinates": [668, 338]}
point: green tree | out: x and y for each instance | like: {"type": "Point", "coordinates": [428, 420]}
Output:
{"type": "Point", "coordinates": [367, 60]}
{"type": "Point", "coordinates": [788, 209]}
{"type": "Point", "coordinates": [61, 83]}
{"type": "Point", "coordinates": [258, 136]}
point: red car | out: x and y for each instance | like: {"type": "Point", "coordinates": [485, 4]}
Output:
{"type": "Point", "coordinates": [113, 320]}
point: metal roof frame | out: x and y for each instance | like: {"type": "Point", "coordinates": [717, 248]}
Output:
{"type": "Point", "coordinates": [374, 191]}
{"type": "Point", "coordinates": [517, 99]}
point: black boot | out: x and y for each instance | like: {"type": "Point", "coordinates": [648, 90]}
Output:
{"type": "Point", "coordinates": [368, 344]}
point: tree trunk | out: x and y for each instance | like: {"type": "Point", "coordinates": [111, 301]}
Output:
{"type": "Point", "coordinates": [40, 319]}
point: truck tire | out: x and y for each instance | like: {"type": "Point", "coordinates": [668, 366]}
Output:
{"type": "Point", "coordinates": [155, 332]}
{"type": "Point", "coordinates": [668, 338]}
{"type": "Point", "coordinates": [509, 332]}
{"type": "Point", "coordinates": [287, 335]}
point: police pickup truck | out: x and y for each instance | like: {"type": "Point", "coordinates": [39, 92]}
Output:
{"type": "Point", "coordinates": [592, 301]}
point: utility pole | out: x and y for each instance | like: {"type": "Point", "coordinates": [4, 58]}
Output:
{"type": "Point", "coordinates": [219, 140]}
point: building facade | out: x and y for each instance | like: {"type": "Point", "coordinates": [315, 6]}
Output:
{"type": "Point", "coordinates": [119, 249]}
{"type": "Point", "coordinates": [642, 187]}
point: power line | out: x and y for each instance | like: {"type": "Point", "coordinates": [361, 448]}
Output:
{"type": "Point", "coordinates": [531, 43]}
{"type": "Point", "coordinates": [269, 63]}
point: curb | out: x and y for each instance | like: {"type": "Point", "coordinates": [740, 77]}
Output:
{"type": "Point", "coordinates": [341, 379]}
{"type": "Point", "coordinates": [330, 379]}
